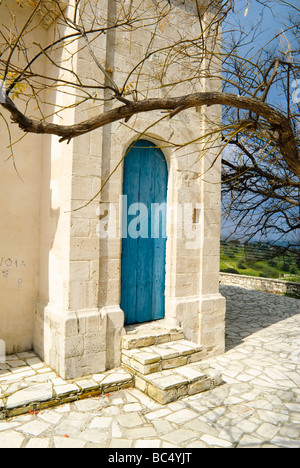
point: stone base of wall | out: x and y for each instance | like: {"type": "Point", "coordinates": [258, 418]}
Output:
{"type": "Point", "coordinates": [84, 342]}
{"type": "Point", "coordinates": [73, 343]}
{"type": "Point", "coordinates": [202, 319]}
{"type": "Point", "coordinates": [262, 284]}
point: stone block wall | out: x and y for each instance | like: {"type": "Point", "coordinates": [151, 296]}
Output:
{"type": "Point", "coordinates": [269, 285]}
{"type": "Point", "coordinates": [70, 312]}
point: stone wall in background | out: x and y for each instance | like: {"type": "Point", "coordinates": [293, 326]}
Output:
{"type": "Point", "coordinates": [269, 285]}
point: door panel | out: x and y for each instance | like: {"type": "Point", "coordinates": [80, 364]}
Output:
{"type": "Point", "coordinates": [144, 241]}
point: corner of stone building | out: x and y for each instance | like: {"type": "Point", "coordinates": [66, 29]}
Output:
{"type": "Point", "coordinates": [114, 331]}
{"type": "Point", "coordinates": [202, 320]}
{"type": "Point", "coordinates": [212, 324]}
{"type": "Point", "coordinates": [73, 343]}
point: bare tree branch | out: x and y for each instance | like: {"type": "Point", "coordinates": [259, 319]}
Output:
{"type": "Point", "coordinates": [279, 130]}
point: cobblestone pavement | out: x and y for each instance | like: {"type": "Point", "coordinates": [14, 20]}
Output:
{"type": "Point", "coordinates": [257, 406]}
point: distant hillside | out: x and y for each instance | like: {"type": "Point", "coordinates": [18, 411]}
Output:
{"type": "Point", "coordinates": [256, 259]}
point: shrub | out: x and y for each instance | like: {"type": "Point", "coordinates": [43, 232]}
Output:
{"type": "Point", "coordinates": [242, 264]}
{"type": "Point", "coordinates": [230, 270]}
{"type": "Point", "coordinates": [285, 266]}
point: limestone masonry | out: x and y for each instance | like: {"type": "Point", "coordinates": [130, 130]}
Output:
{"type": "Point", "coordinates": [60, 282]}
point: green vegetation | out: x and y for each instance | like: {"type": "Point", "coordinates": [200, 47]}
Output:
{"type": "Point", "coordinates": [260, 260]}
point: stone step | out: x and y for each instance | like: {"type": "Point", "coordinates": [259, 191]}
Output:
{"type": "Point", "coordinates": [140, 336]}
{"type": "Point", "coordinates": [157, 358]}
{"type": "Point", "coordinates": [164, 365]}
{"type": "Point", "coordinates": [170, 385]}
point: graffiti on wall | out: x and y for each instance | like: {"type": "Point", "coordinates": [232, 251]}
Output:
{"type": "Point", "coordinates": [11, 268]}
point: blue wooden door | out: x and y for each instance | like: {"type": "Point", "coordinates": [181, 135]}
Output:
{"type": "Point", "coordinates": [144, 233]}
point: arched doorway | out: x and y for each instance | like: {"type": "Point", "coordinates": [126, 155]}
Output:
{"type": "Point", "coordinates": [144, 233]}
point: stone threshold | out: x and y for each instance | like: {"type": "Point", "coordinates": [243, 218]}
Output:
{"type": "Point", "coordinates": [27, 385]}
{"type": "Point", "coordinates": [149, 334]}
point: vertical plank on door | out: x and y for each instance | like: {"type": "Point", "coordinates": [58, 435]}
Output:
{"type": "Point", "coordinates": [129, 244]}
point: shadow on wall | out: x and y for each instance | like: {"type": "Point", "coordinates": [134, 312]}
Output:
{"type": "Point", "coordinates": [48, 227]}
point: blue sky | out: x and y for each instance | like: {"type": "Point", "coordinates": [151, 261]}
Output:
{"type": "Point", "coordinates": [263, 28]}
{"type": "Point", "coordinates": [269, 22]}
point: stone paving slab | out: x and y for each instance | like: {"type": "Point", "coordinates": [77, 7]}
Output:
{"type": "Point", "coordinates": [28, 384]}
{"type": "Point", "coordinates": [257, 407]}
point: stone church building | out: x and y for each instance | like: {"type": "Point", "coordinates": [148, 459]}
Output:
{"type": "Point", "coordinates": [78, 268]}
